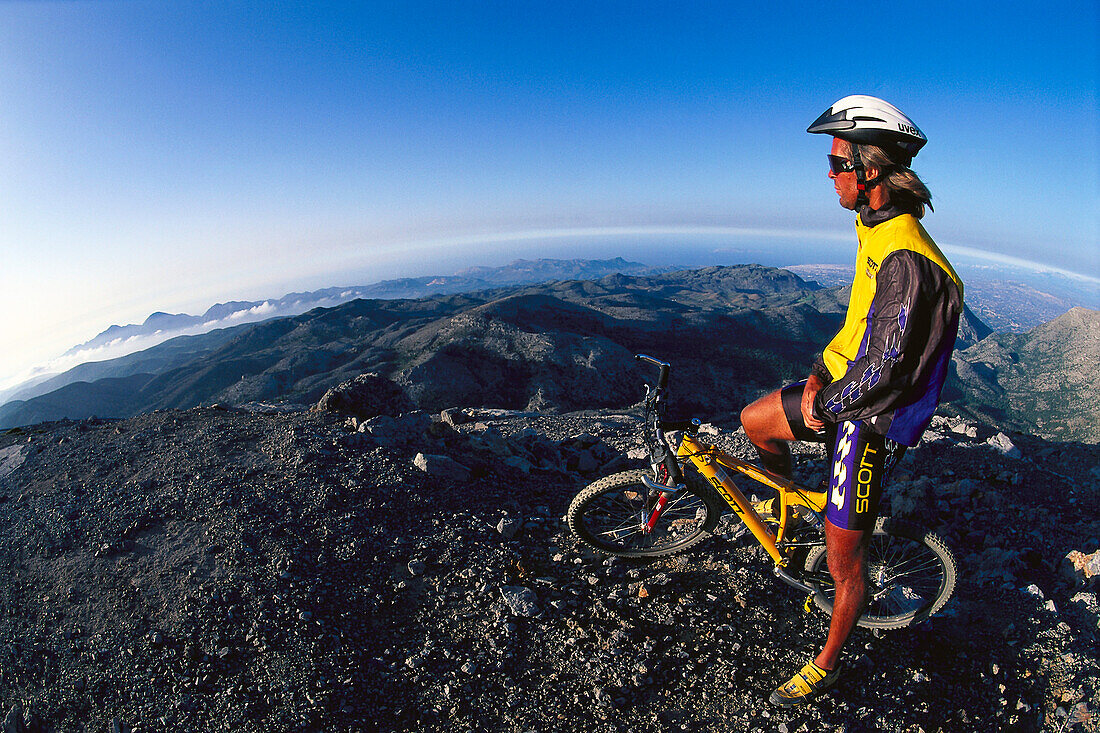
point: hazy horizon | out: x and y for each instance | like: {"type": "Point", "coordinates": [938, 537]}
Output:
{"type": "Point", "coordinates": [655, 247]}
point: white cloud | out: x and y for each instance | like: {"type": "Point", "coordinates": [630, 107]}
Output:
{"type": "Point", "coordinates": [266, 309]}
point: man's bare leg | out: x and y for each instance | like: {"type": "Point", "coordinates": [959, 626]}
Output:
{"type": "Point", "coordinates": [766, 426]}
{"type": "Point", "coordinates": [847, 556]}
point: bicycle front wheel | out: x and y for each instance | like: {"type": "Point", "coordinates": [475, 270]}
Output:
{"type": "Point", "coordinates": [610, 516]}
{"type": "Point", "coordinates": [911, 576]}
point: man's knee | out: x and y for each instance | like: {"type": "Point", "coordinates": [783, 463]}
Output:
{"type": "Point", "coordinates": [846, 553]}
{"type": "Point", "coordinates": [759, 418]}
{"type": "Point", "coordinates": [749, 419]}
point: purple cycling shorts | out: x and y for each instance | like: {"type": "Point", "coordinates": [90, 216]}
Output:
{"type": "Point", "coordinates": [861, 461]}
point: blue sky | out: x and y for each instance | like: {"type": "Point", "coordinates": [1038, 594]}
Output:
{"type": "Point", "coordinates": [165, 156]}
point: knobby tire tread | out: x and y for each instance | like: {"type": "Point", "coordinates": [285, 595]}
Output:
{"type": "Point", "coordinates": [585, 503]}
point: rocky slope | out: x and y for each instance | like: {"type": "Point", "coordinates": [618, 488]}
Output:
{"type": "Point", "coordinates": [216, 569]}
{"type": "Point", "coordinates": [1043, 381]}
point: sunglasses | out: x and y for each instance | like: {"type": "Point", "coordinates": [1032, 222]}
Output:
{"type": "Point", "coordinates": [840, 165]}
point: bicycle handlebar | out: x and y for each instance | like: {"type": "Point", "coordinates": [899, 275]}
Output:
{"type": "Point", "coordinates": [692, 425]}
{"type": "Point", "coordinates": [662, 380]}
{"type": "Point", "coordinates": [661, 453]}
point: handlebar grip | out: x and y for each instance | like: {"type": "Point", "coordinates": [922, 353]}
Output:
{"type": "Point", "coordinates": [651, 360]}
{"type": "Point", "coordinates": [691, 426]}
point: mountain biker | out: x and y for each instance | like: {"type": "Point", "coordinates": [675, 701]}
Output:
{"type": "Point", "coordinates": [875, 386]}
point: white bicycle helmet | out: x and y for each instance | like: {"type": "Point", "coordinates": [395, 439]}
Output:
{"type": "Point", "coordinates": [866, 120]}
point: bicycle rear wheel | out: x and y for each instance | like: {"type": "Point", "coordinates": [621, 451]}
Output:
{"type": "Point", "coordinates": [610, 516]}
{"type": "Point", "coordinates": [911, 576]}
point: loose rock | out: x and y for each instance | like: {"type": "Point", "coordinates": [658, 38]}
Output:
{"type": "Point", "coordinates": [522, 601]}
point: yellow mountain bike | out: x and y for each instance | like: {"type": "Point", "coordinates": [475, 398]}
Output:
{"type": "Point", "coordinates": [643, 514]}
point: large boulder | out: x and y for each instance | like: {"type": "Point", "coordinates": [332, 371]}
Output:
{"type": "Point", "coordinates": [366, 396]}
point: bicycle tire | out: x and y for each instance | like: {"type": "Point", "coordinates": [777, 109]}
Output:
{"type": "Point", "coordinates": [914, 570]}
{"type": "Point", "coordinates": [608, 516]}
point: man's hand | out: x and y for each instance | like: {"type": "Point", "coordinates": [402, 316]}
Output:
{"type": "Point", "coordinates": [813, 386]}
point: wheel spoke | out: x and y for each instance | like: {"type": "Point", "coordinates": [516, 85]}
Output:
{"type": "Point", "coordinates": [907, 576]}
{"type": "Point", "coordinates": [615, 518]}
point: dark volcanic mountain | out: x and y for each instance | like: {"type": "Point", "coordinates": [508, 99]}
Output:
{"type": "Point", "coordinates": [518, 272]}
{"type": "Point", "coordinates": [564, 345]}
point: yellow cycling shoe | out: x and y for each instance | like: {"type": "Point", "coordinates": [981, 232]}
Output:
{"type": "Point", "coordinates": [807, 684]}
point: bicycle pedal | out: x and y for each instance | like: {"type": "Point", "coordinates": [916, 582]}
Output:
{"type": "Point", "coordinates": [808, 606]}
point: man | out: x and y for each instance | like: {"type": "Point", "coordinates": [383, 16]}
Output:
{"type": "Point", "coordinates": [877, 383]}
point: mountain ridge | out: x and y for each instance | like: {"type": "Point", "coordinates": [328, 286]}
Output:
{"type": "Point", "coordinates": [518, 272]}
{"type": "Point", "coordinates": [1042, 381]}
{"type": "Point", "coordinates": [161, 326]}
{"type": "Point", "coordinates": [566, 345]}
{"type": "Point", "coordinates": [297, 358]}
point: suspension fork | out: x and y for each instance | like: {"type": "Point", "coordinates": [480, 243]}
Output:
{"type": "Point", "coordinates": [664, 494]}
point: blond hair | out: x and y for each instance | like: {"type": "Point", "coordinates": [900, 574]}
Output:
{"type": "Point", "coordinates": [906, 189]}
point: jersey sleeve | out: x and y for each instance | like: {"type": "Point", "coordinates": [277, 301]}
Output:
{"type": "Point", "coordinates": [909, 314]}
{"type": "Point", "coordinates": [820, 370]}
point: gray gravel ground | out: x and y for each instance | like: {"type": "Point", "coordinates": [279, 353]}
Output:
{"type": "Point", "coordinates": [230, 570]}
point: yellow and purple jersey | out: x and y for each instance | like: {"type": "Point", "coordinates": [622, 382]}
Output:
{"type": "Point", "coordinates": [887, 364]}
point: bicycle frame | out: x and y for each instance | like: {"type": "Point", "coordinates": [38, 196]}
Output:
{"type": "Point", "coordinates": [712, 463]}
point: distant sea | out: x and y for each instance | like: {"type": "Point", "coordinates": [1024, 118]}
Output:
{"type": "Point", "coordinates": [702, 249]}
